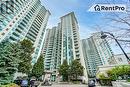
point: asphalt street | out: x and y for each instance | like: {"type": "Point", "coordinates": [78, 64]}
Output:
{"type": "Point", "coordinates": [70, 85]}
{"type": "Point", "coordinates": [65, 85]}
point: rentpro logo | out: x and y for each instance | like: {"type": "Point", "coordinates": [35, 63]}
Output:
{"type": "Point", "coordinates": [108, 8]}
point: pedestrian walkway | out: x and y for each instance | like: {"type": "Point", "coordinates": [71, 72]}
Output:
{"type": "Point", "coordinates": [71, 85]}
{"type": "Point", "coordinates": [103, 86]}
{"type": "Point", "coordinates": [97, 85]}
{"type": "Point", "coordinates": [66, 85]}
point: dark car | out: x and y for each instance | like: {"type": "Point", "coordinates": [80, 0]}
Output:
{"type": "Point", "coordinates": [24, 83]}
{"type": "Point", "coordinates": [91, 83]}
{"type": "Point", "coordinates": [46, 83]}
{"type": "Point", "coordinates": [36, 83]}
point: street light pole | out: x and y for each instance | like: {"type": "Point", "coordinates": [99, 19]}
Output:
{"type": "Point", "coordinates": [122, 50]}
{"type": "Point", "coordinates": [103, 36]}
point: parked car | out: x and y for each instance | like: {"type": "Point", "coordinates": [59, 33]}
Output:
{"type": "Point", "coordinates": [18, 80]}
{"type": "Point", "coordinates": [32, 82]}
{"type": "Point", "coordinates": [91, 83]}
{"type": "Point", "coordinates": [46, 83]}
{"type": "Point", "coordinates": [24, 83]}
{"type": "Point", "coordinates": [36, 83]}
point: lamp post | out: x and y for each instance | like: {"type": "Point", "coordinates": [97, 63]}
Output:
{"type": "Point", "coordinates": [103, 36]}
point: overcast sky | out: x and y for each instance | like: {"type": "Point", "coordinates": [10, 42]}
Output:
{"type": "Point", "coordinates": [89, 22]}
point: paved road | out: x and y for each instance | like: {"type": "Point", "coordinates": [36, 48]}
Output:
{"type": "Point", "coordinates": [68, 85]}
{"type": "Point", "coordinates": [65, 85]}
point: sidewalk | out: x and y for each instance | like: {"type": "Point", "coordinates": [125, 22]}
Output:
{"type": "Point", "coordinates": [103, 86]}
{"type": "Point", "coordinates": [98, 85]}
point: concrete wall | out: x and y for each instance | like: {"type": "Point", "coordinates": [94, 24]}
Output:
{"type": "Point", "coordinates": [121, 84]}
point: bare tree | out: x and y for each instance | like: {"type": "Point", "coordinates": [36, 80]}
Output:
{"type": "Point", "coordinates": [121, 22]}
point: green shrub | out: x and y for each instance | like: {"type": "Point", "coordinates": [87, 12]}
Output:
{"type": "Point", "coordinates": [105, 82]}
{"type": "Point", "coordinates": [119, 71]}
{"type": "Point", "coordinates": [10, 85]}
{"type": "Point", "coordinates": [128, 80]}
{"type": "Point", "coordinates": [122, 71]}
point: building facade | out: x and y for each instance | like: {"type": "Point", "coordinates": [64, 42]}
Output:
{"type": "Point", "coordinates": [28, 20]}
{"type": "Point", "coordinates": [65, 43]}
{"type": "Point", "coordinates": [103, 48]}
{"type": "Point", "coordinates": [50, 52]}
{"type": "Point", "coordinates": [96, 52]}
{"type": "Point", "coordinates": [119, 59]}
{"type": "Point", "coordinates": [91, 56]}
